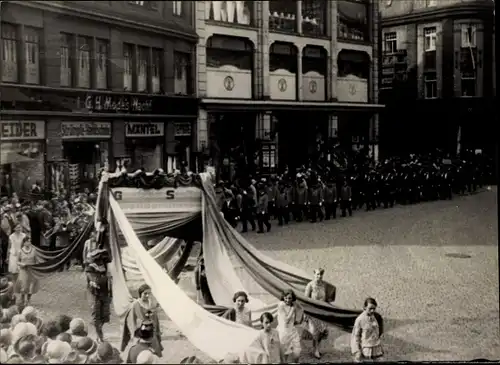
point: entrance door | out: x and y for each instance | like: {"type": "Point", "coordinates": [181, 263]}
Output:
{"type": "Point", "coordinates": [84, 158]}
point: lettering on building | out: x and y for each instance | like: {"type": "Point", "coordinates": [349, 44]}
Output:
{"type": "Point", "coordinates": [22, 130]}
{"type": "Point", "coordinates": [117, 104]}
{"type": "Point", "coordinates": [135, 129]}
{"type": "Point", "coordinates": [85, 129]}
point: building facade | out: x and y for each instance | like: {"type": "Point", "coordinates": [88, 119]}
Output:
{"type": "Point", "coordinates": [86, 84]}
{"type": "Point", "coordinates": [437, 76]}
{"type": "Point", "coordinates": [279, 81]}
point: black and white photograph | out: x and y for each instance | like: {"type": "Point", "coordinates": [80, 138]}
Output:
{"type": "Point", "coordinates": [248, 182]}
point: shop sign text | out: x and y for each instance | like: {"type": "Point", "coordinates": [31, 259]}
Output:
{"type": "Point", "coordinates": [138, 129]}
{"type": "Point", "coordinates": [117, 104]}
{"type": "Point", "coordinates": [21, 130]}
{"type": "Point", "coordinates": [88, 130]}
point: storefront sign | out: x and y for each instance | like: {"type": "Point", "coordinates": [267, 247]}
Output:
{"type": "Point", "coordinates": [22, 130]}
{"type": "Point", "coordinates": [139, 129]}
{"type": "Point", "coordinates": [182, 129]}
{"type": "Point", "coordinates": [86, 130]}
{"type": "Point", "coordinates": [115, 103]}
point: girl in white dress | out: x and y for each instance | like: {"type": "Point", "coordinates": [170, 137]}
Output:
{"type": "Point", "coordinates": [15, 242]}
{"type": "Point", "coordinates": [290, 316]}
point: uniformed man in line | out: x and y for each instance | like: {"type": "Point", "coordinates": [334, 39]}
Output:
{"type": "Point", "coordinates": [331, 198]}
{"type": "Point", "coordinates": [300, 199]}
{"type": "Point", "coordinates": [282, 204]}
{"type": "Point", "coordinates": [345, 199]}
{"type": "Point", "coordinates": [316, 201]}
{"type": "Point", "coordinates": [262, 210]}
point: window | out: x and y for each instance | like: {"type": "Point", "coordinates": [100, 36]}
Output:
{"type": "Point", "coordinates": [177, 7]}
{"type": "Point", "coordinates": [239, 12]}
{"type": "Point", "coordinates": [102, 65]}
{"type": "Point", "coordinates": [32, 54]}
{"type": "Point", "coordinates": [156, 70]}
{"type": "Point", "coordinates": [429, 3]}
{"type": "Point", "coordinates": [430, 39]}
{"type": "Point", "coordinates": [468, 36]}
{"type": "Point", "coordinates": [128, 66]}
{"type": "Point", "coordinates": [283, 15]}
{"type": "Point", "coordinates": [145, 4]}
{"type": "Point", "coordinates": [352, 21]}
{"type": "Point", "coordinates": [430, 85]}
{"type": "Point", "coordinates": [313, 17]}
{"type": "Point", "coordinates": [229, 51]}
{"type": "Point", "coordinates": [83, 62]}
{"type": "Point", "coordinates": [390, 42]}
{"type": "Point", "coordinates": [468, 71]}
{"type": "Point", "coordinates": [182, 69]}
{"type": "Point", "coordinates": [10, 71]}
{"type": "Point", "coordinates": [142, 69]}
{"type": "Point", "coordinates": [65, 55]}
{"type": "Point", "coordinates": [353, 63]}
{"type": "Point", "coordinates": [283, 56]}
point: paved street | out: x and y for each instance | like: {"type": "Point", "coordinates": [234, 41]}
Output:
{"type": "Point", "coordinates": [432, 267]}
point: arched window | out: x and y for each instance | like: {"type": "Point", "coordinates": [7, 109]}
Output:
{"type": "Point", "coordinates": [229, 51]}
{"type": "Point", "coordinates": [353, 63]}
{"type": "Point", "coordinates": [283, 56]}
{"type": "Point", "coordinates": [353, 19]}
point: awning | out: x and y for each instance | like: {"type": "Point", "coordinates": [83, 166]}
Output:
{"type": "Point", "coordinates": [14, 157]}
{"type": "Point", "coordinates": [227, 105]}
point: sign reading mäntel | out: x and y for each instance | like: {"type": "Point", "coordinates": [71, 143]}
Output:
{"type": "Point", "coordinates": [85, 130]}
{"type": "Point", "coordinates": [16, 130]}
{"type": "Point", "coordinates": [144, 129]}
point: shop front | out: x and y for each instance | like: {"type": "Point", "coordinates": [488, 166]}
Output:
{"type": "Point", "coordinates": [144, 144]}
{"type": "Point", "coordinates": [86, 147]}
{"type": "Point", "coordinates": [22, 155]}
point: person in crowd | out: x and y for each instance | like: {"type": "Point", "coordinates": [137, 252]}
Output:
{"type": "Point", "coordinates": [143, 308]}
{"type": "Point", "coordinates": [32, 316]}
{"type": "Point", "coordinates": [15, 242]}
{"type": "Point", "coordinates": [331, 199]}
{"type": "Point", "coordinates": [99, 288]}
{"type": "Point", "coordinates": [366, 334]}
{"type": "Point", "coordinates": [269, 340]}
{"type": "Point", "coordinates": [26, 283]}
{"type": "Point", "coordinates": [272, 196]}
{"type": "Point", "coordinates": [17, 318]}
{"type": "Point", "coordinates": [77, 330]}
{"type": "Point", "coordinates": [239, 313]}
{"type": "Point", "coordinates": [89, 246]}
{"type": "Point", "coordinates": [145, 337]}
{"type": "Point", "coordinates": [282, 204]}
{"type": "Point", "coordinates": [7, 296]}
{"type": "Point", "coordinates": [300, 199]}
{"type": "Point", "coordinates": [316, 199]}
{"type": "Point", "coordinates": [247, 210]}
{"type": "Point", "coordinates": [85, 349]}
{"type": "Point", "coordinates": [317, 289]}
{"type": "Point", "coordinates": [262, 211]}
{"type": "Point", "coordinates": [290, 316]}
{"type": "Point", "coordinates": [201, 282]}
{"type": "Point", "coordinates": [230, 210]}
{"type": "Point", "coordinates": [345, 199]}
{"type": "Point", "coordinates": [63, 322]}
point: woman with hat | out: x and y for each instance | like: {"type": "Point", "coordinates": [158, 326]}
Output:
{"type": "Point", "coordinates": [145, 335]}
{"type": "Point", "coordinates": [27, 283]}
{"type": "Point", "coordinates": [144, 308]}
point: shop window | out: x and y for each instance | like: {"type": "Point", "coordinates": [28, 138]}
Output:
{"type": "Point", "coordinates": [182, 72]}
{"type": "Point", "coordinates": [283, 56]}
{"type": "Point", "coordinates": [353, 63]}
{"type": "Point", "coordinates": [239, 12]}
{"type": "Point", "coordinates": [177, 7]}
{"type": "Point", "coordinates": [468, 71]}
{"type": "Point", "coordinates": [314, 17]}
{"type": "Point", "coordinates": [10, 71]}
{"type": "Point", "coordinates": [83, 62]}
{"type": "Point", "coordinates": [430, 85]}
{"type": "Point", "coordinates": [229, 51]}
{"type": "Point", "coordinates": [156, 71]}
{"type": "Point", "coordinates": [468, 36]}
{"type": "Point", "coordinates": [102, 64]}
{"type": "Point", "coordinates": [128, 66]}
{"type": "Point", "coordinates": [66, 59]}
{"type": "Point", "coordinates": [390, 42]}
{"type": "Point", "coordinates": [142, 69]}
{"type": "Point", "coordinates": [353, 20]}
{"type": "Point", "coordinates": [430, 36]}
{"type": "Point", "coordinates": [32, 54]}
{"type": "Point", "coordinates": [283, 15]}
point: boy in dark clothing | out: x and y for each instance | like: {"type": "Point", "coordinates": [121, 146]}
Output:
{"type": "Point", "coordinates": [345, 199]}
{"type": "Point", "coordinates": [282, 204]}
{"type": "Point", "coordinates": [247, 208]}
{"type": "Point", "coordinates": [331, 200]}
{"type": "Point", "coordinates": [262, 211]}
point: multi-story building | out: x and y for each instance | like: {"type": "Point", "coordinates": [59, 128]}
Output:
{"type": "Point", "coordinates": [278, 80]}
{"type": "Point", "coordinates": [437, 76]}
{"type": "Point", "coordinates": [87, 83]}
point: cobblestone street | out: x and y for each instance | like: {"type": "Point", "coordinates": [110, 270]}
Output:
{"type": "Point", "coordinates": [432, 267]}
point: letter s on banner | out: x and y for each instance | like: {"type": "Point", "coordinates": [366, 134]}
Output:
{"type": "Point", "coordinates": [170, 194]}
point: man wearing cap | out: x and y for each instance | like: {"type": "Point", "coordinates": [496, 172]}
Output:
{"type": "Point", "coordinates": [98, 284]}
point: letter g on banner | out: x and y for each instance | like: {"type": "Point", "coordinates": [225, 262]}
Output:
{"type": "Point", "coordinates": [118, 195]}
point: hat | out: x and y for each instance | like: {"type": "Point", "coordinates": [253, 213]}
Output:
{"type": "Point", "coordinates": [57, 351]}
{"type": "Point", "coordinates": [64, 337]}
{"type": "Point", "coordinates": [77, 326]}
{"type": "Point", "coordinates": [86, 346]}
{"type": "Point", "coordinates": [17, 318]}
{"type": "Point", "coordinates": [22, 330]}
{"type": "Point", "coordinates": [30, 313]}
{"type": "Point", "coordinates": [5, 338]}
{"type": "Point", "coordinates": [107, 353]}
{"type": "Point", "coordinates": [146, 357]}
{"type": "Point", "coordinates": [26, 346]}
